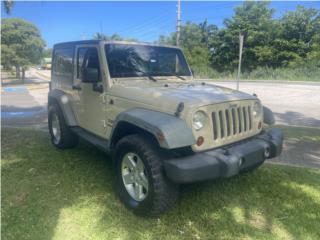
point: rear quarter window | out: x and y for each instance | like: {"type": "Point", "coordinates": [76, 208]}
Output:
{"type": "Point", "coordinates": [63, 61]}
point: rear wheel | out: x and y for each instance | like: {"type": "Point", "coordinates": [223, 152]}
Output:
{"type": "Point", "coordinates": [61, 135]}
{"type": "Point", "coordinates": [141, 183]}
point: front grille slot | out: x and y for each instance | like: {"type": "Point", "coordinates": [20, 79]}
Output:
{"type": "Point", "coordinates": [244, 118]}
{"type": "Point", "coordinates": [222, 124]}
{"type": "Point", "coordinates": [240, 119]}
{"type": "Point", "coordinates": [234, 120]}
{"type": "Point", "coordinates": [250, 117]}
{"type": "Point", "coordinates": [231, 122]}
{"type": "Point", "coordinates": [215, 126]}
{"type": "Point", "coordinates": [228, 122]}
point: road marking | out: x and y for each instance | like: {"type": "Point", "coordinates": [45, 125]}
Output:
{"type": "Point", "coordinates": [15, 89]}
{"type": "Point", "coordinates": [20, 113]}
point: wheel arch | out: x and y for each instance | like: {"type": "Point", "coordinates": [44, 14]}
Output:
{"type": "Point", "coordinates": [167, 130]}
{"type": "Point", "coordinates": [62, 100]}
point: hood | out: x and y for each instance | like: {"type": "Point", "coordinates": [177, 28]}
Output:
{"type": "Point", "coordinates": [169, 94]}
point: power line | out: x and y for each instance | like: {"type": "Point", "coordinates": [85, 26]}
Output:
{"type": "Point", "coordinates": [152, 21]}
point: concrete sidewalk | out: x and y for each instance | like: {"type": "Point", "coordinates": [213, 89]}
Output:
{"type": "Point", "coordinates": [21, 106]}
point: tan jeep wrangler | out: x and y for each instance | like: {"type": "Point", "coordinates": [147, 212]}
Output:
{"type": "Point", "coordinates": [140, 103]}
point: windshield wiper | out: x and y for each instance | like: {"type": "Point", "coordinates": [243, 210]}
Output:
{"type": "Point", "coordinates": [178, 76]}
{"type": "Point", "coordinates": [147, 75]}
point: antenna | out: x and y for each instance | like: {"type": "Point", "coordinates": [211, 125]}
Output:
{"type": "Point", "coordinates": [178, 23]}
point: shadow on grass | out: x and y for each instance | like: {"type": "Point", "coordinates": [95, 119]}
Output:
{"type": "Point", "coordinates": [53, 194]}
{"type": "Point", "coordinates": [298, 119]}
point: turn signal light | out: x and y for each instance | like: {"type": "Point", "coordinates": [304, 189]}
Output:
{"type": "Point", "coordinates": [200, 141]}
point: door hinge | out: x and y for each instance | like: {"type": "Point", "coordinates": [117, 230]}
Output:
{"type": "Point", "coordinates": [104, 124]}
{"type": "Point", "coordinates": [104, 98]}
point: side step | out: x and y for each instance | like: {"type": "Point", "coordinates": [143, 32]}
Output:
{"type": "Point", "coordinates": [97, 141]}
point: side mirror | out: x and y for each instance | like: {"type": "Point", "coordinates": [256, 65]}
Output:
{"type": "Point", "coordinates": [90, 75]}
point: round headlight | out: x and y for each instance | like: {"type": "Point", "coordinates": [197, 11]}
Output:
{"type": "Point", "coordinates": [199, 120]}
{"type": "Point", "coordinates": [257, 109]}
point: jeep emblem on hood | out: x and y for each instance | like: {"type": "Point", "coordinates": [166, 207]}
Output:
{"type": "Point", "coordinates": [233, 105]}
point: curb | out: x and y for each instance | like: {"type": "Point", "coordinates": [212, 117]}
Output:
{"type": "Point", "coordinates": [259, 81]}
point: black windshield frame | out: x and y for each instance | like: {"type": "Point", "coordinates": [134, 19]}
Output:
{"type": "Point", "coordinates": [137, 60]}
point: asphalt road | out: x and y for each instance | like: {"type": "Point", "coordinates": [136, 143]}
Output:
{"type": "Point", "coordinates": [292, 103]}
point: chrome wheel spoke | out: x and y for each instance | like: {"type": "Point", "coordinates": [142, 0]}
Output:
{"type": "Point", "coordinates": [144, 181]}
{"type": "Point", "coordinates": [140, 166]}
{"type": "Point", "coordinates": [130, 162]}
{"type": "Point", "coordinates": [137, 191]}
{"type": "Point", "coordinates": [128, 178]}
{"type": "Point", "coordinates": [55, 125]}
{"type": "Point", "coordinates": [134, 177]}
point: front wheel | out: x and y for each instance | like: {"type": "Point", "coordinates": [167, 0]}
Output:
{"type": "Point", "coordinates": [141, 183]}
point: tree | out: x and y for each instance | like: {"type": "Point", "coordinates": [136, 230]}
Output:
{"type": "Point", "coordinates": [113, 37]}
{"type": "Point", "coordinates": [21, 44]}
{"type": "Point", "coordinates": [254, 21]}
{"type": "Point", "coordinates": [194, 41]}
{"type": "Point", "coordinates": [47, 53]}
{"type": "Point", "coordinates": [8, 4]}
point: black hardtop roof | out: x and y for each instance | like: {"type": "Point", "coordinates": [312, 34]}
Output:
{"type": "Point", "coordinates": [83, 42]}
{"type": "Point", "coordinates": [68, 44]}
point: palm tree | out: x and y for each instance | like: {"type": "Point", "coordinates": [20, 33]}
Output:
{"type": "Point", "coordinates": [8, 4]}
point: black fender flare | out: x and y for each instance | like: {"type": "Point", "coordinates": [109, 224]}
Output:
{"type": "Point", "coordinates": [62, 99]}
{"type": "Point", "coordinates": [170, 131]}
{"type": "Point", "coordinates": [268, 116]}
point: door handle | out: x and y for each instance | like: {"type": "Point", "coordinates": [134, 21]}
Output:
{"type": "Point", "coordinates": [76, 87]}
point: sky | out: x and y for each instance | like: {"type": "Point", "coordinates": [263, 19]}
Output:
{"type": "Point", "coordinates": [61, 21]}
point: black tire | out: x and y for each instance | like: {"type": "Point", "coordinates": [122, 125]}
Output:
{"type": "Point", "coordinates": [162, 193]}
{"type": "Point", "coordinates": [67, 139]}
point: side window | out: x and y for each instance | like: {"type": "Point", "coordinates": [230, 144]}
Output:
{"type": "Point", "coordinates": [87, 58]}
{"type": "Point", "coordinates": [62, 64]}
{"type": "Point", "coordinates": [80, 57]}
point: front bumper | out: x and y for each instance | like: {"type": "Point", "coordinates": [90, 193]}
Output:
{"type": "Point", "coordinates": [226, 161]}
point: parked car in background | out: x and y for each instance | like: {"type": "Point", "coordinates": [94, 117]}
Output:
{"type": "Point", "coordinates": [46, 63]}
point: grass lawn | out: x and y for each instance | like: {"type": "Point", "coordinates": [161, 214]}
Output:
{"type": "Point", "coordinates": [301, 133]}
{"type": "Point", "coordinates": [52, 194]}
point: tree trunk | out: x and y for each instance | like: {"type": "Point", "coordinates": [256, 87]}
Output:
{"type": "Point", "coordinates": [23, 74]}
{"type": "Point", "coordinates": [18, 72]}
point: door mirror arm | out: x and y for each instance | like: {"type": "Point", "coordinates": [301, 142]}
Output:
{"type": "Point", "coordinates": [76, 87]}
{"type": "Point", "coordinates": [96, 87]}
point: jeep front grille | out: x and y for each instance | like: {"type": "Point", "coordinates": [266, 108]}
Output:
{"type": "Point", "coordinates": [232, 121]}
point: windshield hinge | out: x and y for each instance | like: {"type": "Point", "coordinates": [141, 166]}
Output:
{"type": "Point", "coordinates": [104, 98]}
{"type": "Point", "coordinates": [104, 123]}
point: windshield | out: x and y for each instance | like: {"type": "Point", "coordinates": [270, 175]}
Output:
{"type": "Point", "coordinates": [129, 60]}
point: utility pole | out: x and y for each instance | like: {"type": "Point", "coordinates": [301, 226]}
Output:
{"type": "Point", "coordinates": [178, 23]}
{"type": "Point", "coordinates": [240, 57]}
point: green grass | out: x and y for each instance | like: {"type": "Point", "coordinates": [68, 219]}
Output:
{"type": "Point", "coordinates": [301, 133]}
{"type": "Point", "coordinates": [279, 74]}
{"type": "Point", "coordinates": [53, 194]}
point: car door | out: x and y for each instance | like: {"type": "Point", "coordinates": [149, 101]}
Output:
{"type": "Point", "coordinates": [89, 95]}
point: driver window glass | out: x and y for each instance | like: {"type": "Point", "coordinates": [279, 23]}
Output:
{"type": "Point", "coordinates": [87, 58]}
